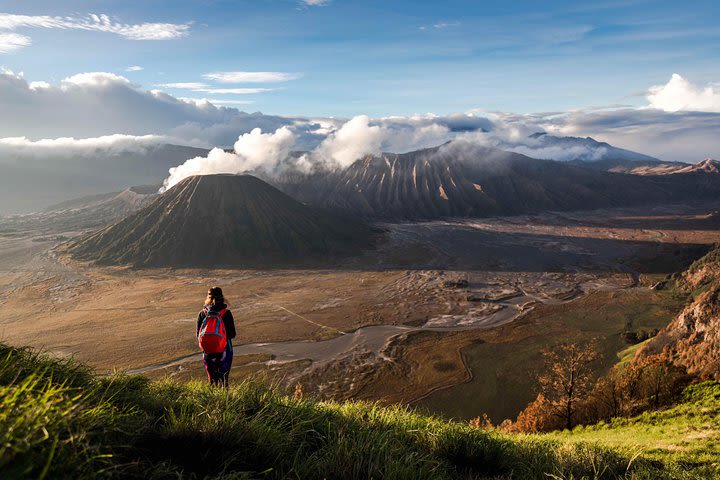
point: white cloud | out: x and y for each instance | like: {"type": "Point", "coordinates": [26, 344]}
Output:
{"type": "Point", "coordinates": [218, 101]}
{"type": "Point", "coordinates": [217, 161]}
{"type": "Point", "coordinates": [351, 141]}
{"type": "Point", "coordinates": [254, 150]}
{"type": "Point", "coordinates": [94, 79]}
{"type": "Point", "coordinates": [233, 91]}
{"type": "Point", "coordinates": [362, 136]}
{"type": "Point", "coordinates": [215, 101]}
{"type": "Point", "coordinates": [37, 85]}
{"type": "Point", "coordinates": [679, 94]}
{"type": "Point", "coordinates": [134, 68]}
{"type": "Point", "coordinates": [183, 85]}
{"type": "Point", "coordinates": [339, 144]}
{"type": "Point", "coordinates": [99, 23]}
{"type": "Point", "coordinates": [71, 147]}
{"type": "Point", "coordinates": [98, 104]}
{"type": "Point", "coordinates": [9, 42]}
{"type": "Point", "coordinates": [205, 88]}
{"type": "Point", "coordinates": [674, 136]}
{"type": "Point", "coordinates": [251, 77]}
{"type": "Point", "coordinates": [441, 25]}
{"type": "Point", "coordinates": [95, 104]}
{"type": "Point", "coordinates": [315, 3]}
{"type": "Point", "coordinates": [257, 147]}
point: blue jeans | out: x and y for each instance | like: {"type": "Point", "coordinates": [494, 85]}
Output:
{"type": "Point", "coordinates": [217, 366]}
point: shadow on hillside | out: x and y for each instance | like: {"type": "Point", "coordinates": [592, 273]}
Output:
{"type": "Point", "coordinates": [699, 215]}
{"type": "Point", "coordinates": [458, 248]}
{"type": "Point", "coordinates": [454, 247]}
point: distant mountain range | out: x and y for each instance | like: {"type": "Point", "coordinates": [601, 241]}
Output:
{"type": "Point", "coordinates": [585, 149]}
{"type": "Point", "coordinates": [586, 152]}
{"type": "Point", "coordinates": [467, 180]}
{"type": "Point", "coordinates": [229, 220]}
{"type": "Point", "coordinates": [458, 179]}
{"type": "Point", "coordinates": [30, 184]}
{"type": "Point", "coordinates": [58, 177]}
{"type": "Point", "coordinates": [93, 211]}
{"type": "Point", "coordinates": [668, 168]}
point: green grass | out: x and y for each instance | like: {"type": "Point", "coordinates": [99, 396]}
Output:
{"type": "Point", "coordinates": [685, 437]}
{"type": "Point", "coordinates": [626, 355]}
{"type": "Point", "coordinates": [60, 421]}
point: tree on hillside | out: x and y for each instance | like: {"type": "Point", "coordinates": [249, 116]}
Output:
{"type": "Point", "coordinates": [536, 417]}
{"type": "Point", "coordinates": [646, 382]}
{"type": "Point", "coordinates": [567, 378]}
{"type": "Point", "coordinates": [660, 379]}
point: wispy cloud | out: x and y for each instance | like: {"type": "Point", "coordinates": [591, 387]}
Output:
{"type": "Point", "coordinates": [315, 3]}
{"type": "Point", "coordinates": [134, 68]}
{"type": "Point", "coordinates": [205, 88]}
{"type": "Point", "coordinates": [9, 42]}
{"type": "Point", "coordinates": [234, 91]}
{"type": "Point", "coordinates": [251, 77]}
{"type": "Point", "coordinates": [183, 85]}
{"type": "Point", "coordinates": [99, 23]}
{"type": "Point", "coordinates": [440, 25]}
{"type": "Point", "coordinates": [216, 101]}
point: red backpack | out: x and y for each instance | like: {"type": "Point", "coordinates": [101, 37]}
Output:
{"type": "Point", "coordinates": [212, 337]}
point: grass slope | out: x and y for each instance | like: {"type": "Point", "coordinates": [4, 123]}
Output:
{"type": "Point", "coordinates": [685, 437]}
{"type": "Point", "coordinates": [59, 421]}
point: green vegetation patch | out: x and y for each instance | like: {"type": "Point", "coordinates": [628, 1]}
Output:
{"type": "Point", "coordinates": [59, 421]}
{"type": "Point", "coordinates": [685, 438]}
{"type": "Point", "coordinates": [626, 355]}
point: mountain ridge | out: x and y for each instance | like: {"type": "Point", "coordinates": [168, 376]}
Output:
{"type": "Point", "coordinates": [692, 339]}
{"type": "Point", "coordinates": [228, 220]}
{"type": "Point", "coordinates": [467, 180]}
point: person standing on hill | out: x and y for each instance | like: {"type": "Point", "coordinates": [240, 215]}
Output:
{"type": "Point", "coordinates": [215, 331]}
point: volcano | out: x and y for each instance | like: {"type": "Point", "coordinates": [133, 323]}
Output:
{"type": "Point", "coordinates": [223, 220]}
{"type": "Point", "coordinates": [464, 180]}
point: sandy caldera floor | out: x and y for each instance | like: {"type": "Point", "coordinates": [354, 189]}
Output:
{"type": "Point", "coordinates": [428, 289]}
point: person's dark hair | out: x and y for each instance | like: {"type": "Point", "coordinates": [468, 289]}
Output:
{"type": "Point", "coordinates": [215, 296]}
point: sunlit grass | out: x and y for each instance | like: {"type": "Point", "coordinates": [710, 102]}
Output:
{"type": "Point", "coordinates": [60, 421]}
{"type": "Point", "coordinates": [686, 436]}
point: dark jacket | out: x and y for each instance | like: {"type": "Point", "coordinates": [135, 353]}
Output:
{"type": "Point", "coordinates": [227, 317]}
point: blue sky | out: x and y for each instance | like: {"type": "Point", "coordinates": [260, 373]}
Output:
{"type": "Point", "coordinates": [388, 57]}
